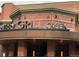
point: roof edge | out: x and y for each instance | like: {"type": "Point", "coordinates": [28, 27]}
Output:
{"type": "Point", "coordinates": [6, 3]}
{"type": "Point", "coordinates": [44, 9]}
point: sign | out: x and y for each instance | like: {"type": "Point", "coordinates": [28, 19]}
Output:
{"type": "Point", "coordinates": [29, 25]}
{"type": "Point", "coordinates": [57, 26]}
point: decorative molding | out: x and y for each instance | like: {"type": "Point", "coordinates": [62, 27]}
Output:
{"type": "Point", "coordinates": [55, 10]}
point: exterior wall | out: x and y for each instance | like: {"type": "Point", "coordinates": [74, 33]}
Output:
{"type": "Point", "coordinates": [43, 18]}
{"type": "Point", "coordinates": [66, 20]}
{"type": "Point", "coordinates": [38, 34]}
{"type": "Point", "coordinates": [16, 19]}
{"type": "Point", "coordinates": [72, 50]}
{"type": "Point", "coordinates": [0, 16]}
{"type": "Point", "coordinates": [22, 50]}
{"type": "Point", "coordinates": [77, 24]}
{"type": "Point", "coordinates": [50, 48]}
{"type": "Point", "coordinates": [77, 28]}
{"type": "Point", "coordinates": [7, 9]}
{"type": "Point", "coordinates": [11, 50]}
{"type": "Point", "coordinates": [39, 20]}
{"type": "Point", "coordinates": [1, 50]}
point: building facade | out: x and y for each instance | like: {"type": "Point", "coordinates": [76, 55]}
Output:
{"type": "Point", "coordinates": [46, 29]}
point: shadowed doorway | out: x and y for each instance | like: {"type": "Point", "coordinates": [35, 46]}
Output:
{"type": "Point", "coordinates": [62, 50]}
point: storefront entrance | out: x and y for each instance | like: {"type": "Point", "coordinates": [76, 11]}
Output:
{"type": "Point", "coordinates": [62, 50]}
{"type": "Point", "coordinates": [39, 49]}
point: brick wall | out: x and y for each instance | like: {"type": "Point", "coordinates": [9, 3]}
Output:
{"type": "Point", "coordinates": [7, 9]}
{"type": "Point", "coordinates": [42, 19]}
{"type": "Point", "coordinates": [0, 16]}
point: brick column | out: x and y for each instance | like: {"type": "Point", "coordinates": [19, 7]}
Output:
{"type": "Point", "coordinates": [1, 50]}
{"type": "Point", "coordinates": [11, 50]}
{"type": "Point", "coordinates": [22, 50]}
{"type": "Point", "coordinates": [72, 49]}
{"type": "Point", "coordinates": [50, 48]}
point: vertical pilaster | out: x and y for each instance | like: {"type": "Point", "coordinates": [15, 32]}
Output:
{"type": "Point", "coordinates": [72, 49]}
{"type": "Point", "coordinates": [11, 50]}
{"type": "Point", "coordinates": [1, 52]}
{"type": "Point", "coordinates": [50, 48]}
{"type": "Point", "coordinates": [22, 50]}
